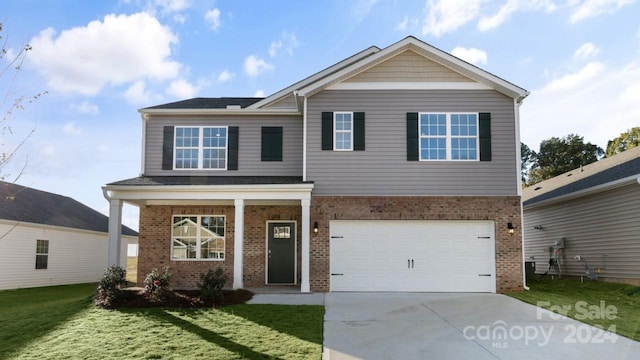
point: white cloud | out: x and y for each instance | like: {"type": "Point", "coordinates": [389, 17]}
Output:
{"type": "Point", "coordinates": [85, 59]}
{"type": "Point", "coordinates": [587, 50]}
{"type": "Point", "coordinates": [226, 76]}
{"type": "Point", "coordinates": [402, 25]}
{"type": "Point", "coordinates": [512, 6]}
{"type": "Point", "coordinates": [181, 89]}
{"type": "Point", "coordinates": [254, 66]}
{"type": "Point", "coordinates": [584, 9]}
{"type": "Point", "coordinates": [137, 94]}
{"type": "Point", "coordinates": [169, 6]}
{"type": "Point", "coordinates": [287, 41]}
{"type": "Point", "coordinates": [213, 18]}
{"type": "Point", "coordinates": [575, 80]}
{"type": "Point", "coordinates": [445, 16]}
{"type": "Point", "coordinates": [71, 129]}
{"type": "Point", "coordinates": [595, 102]}
{"type": "Point", "coordinates": [85, 107]}
{"type": "Point", "coordinates": [259, 93]}
{"type": "Point", "coordinates": [180, 18]}
{"type": "Point", "coordinates": [470, 55]}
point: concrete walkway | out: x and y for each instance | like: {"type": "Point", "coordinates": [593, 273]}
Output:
{"type": "Point", "coordinates": [459, 326]}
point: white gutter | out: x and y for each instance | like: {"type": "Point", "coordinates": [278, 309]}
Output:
{"type": "Point", "coordinates": [592, 190]}
{"type": "Point", "coordinates": [283, 112]}
{"type": "Point", "coordinates": [516, 112]}
{"type": "Point", "coordinates": [304, 140]}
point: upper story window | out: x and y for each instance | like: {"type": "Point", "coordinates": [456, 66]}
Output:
{"type": "Point", "coordinates": [343, 130]}
{"type": "Point", "coordinates": [448, 136]}
{"type": "Point", "coordinates": [200, 147]}
{"type": "Point", "coordinates": [198, 237]}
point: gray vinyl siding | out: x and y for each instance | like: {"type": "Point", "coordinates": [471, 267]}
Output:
{"type": "Point", "coordinates": [249, 163]}
{"type": "Point", "coordinates": [603, 228]}
{"type": "Point", "coordinates": [383, 169]}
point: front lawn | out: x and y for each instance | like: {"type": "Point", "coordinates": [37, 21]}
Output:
{"type": "Point", "coordinates": [593, 302]}
{"type": "Point", "coordinates": [62, 322]}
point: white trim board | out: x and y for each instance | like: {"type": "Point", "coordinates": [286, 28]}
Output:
{"type": "Point", "coordinates": [408, 86]}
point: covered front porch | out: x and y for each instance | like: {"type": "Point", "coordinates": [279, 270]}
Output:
{"type": "Point", "coordinates": [262, 216]}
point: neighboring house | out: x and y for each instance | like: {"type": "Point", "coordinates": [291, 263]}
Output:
{"type": "Point", "coordinates": [48, 239]}
{"type": "Point", "coordinates": [396, 169]}
{"type": "Point", "coordinates": [587, 221]}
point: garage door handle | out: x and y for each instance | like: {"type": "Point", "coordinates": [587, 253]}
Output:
{"type": "Point", "coordinates": [484, 274]}
{"type": "Point", "coordinates": [484, 237]}
{"type": "Point", "coordinates": [336, 274]}
{"type": "Point", "coordinates": [337, 237]}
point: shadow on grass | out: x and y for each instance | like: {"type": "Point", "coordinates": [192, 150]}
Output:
{"type": "Point", "coordinates": [206, 334]}
{"type": "Point", "coordinates": [304, 322]}
{"type": "Point", "coordinates": [28, 314]}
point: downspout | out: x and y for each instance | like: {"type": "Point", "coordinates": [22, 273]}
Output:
{"type": "Point", "coordinates": [516, 109]}
{"type": "Point", "coordinates": [304, 139]}
{"type": "Point", "coordinates": [105, 193]}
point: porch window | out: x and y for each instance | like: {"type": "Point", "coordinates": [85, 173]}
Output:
{"type": "Point", "coordinates": [198, 237]}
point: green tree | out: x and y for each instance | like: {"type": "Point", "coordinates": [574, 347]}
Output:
{"type": "Point", "coordinates": [527, 157]}
{"type": "Point", "coordinates": [560, 155]}
{"type": "Point", "coordinates": [627, 140]}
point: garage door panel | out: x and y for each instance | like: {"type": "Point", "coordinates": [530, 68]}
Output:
{"type": "Point", "coordinates": [412, 256]}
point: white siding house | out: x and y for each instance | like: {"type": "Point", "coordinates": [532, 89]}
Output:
{"type": "Point", "coordinates": [48, 239]}
{"type": "Point", "coordinates": [587, 222]}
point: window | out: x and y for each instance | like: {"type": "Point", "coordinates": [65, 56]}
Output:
{"type": "Point", "coordinates": [42, 254]}
{"type": "Point", "coordinates": [200, 148]}
{"type": "Point", "coordinates": [343, 130]}
{"type": "Point", "coordinates": [198, 237]}
{"type": "Point", "coordinates": [448, 136]}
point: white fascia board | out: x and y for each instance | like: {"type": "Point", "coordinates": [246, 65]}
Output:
{"type": "Point", "coordinates": [408, 86]}
{"type": "Point", "coordinates": [211, 192]}
{"type": "Point", "coordinates": [315, 77]}
{"type": "Point", "coordinates": [19, 224]}
{"type": "Point", "coordinates": [438, 56]}
{"type": "Point", "coordinates": [245, 111]}
{"type": "Point", "coordinates": [590, 191]}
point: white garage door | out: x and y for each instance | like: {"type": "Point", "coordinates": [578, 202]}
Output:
{"type": "Point", "coordinates": [388, 255]}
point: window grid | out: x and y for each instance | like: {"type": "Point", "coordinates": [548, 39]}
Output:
{"type": "Point", "coordinates": [42, 254]}
{"type": "Point", "coordinates": [198, 237]}
{"type": "Point", "coordinates": [201, 148]}
{"type": "Point", "coordinates": [343, 131]}
{"type": "Point", "coordinates": [448, 136]}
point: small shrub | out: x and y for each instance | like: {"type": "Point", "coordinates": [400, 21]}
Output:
{"type": "Point", "coordinates": [109, 289]}
{"type": "Point", "coordinates": [211, 285]}
{"type": "Point", "coordinates": [156, 284]}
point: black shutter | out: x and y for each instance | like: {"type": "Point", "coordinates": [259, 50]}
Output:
{"type": "Point", "coordinates": [412, 137]}
{"type": "Point", "coordinates": [484, 125]}
{"type": "Point", "coordinates": [271, 143]}
{"type": "Point", "coordinates": [167, 148]}
{"type": "Point", "coordinates": [232, 148]}
{"type": "Point", "coordinates": [358, 131]}
{"type": "Point", "coordinates": [327, 131]}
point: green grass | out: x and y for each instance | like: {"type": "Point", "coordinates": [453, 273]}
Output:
{"type": "Point", "coordinates": [586, 301]}
{"type": "Point", "coordinates": [62, 323]}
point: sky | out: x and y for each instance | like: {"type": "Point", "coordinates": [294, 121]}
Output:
{"type": "Point", "coordinates": [97, 62]}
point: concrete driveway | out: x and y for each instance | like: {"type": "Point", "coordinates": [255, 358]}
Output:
{"type": "Point", "coordinates": [459, 326]}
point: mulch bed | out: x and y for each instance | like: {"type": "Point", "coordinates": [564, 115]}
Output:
{"type": "Point", "coordinates": [137, 298]}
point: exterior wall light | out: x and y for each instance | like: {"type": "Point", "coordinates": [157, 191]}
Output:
{"type": "Point", "coordinates": [511, 229]}
{"type": "Point", "coordinates": [315, 227]}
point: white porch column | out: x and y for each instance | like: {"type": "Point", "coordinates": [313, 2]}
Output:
{"type": "Point", "coordinates": [237, 244]}
{"type": "Point", "coordinates": [304, 283]}
{"type": "Point", "coordinates": [115, 232]}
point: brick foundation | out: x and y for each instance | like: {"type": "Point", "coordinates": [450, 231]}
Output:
{"type": "Point", "coordinates": [155, 234]}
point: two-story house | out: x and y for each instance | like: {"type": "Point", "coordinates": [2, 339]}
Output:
{"type": "Point", "coordinates": [396, 169]}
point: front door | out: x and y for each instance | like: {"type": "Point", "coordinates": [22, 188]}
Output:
{"type": "Point", "coordinates": [281, 252]}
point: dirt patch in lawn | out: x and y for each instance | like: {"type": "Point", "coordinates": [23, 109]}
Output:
{"type": "Point", "coordinates": [138, 298]}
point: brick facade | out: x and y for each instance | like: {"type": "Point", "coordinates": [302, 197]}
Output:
{"type": "Point", "coordinates": [155, 234]}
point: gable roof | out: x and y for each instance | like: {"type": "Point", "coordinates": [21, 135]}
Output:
{"type": "Point", "coordinates": [615, 170]}
{"type": "Point", "coordinates": [23, 204]}
{"type": "Point", "coordinates": [209, 103]}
